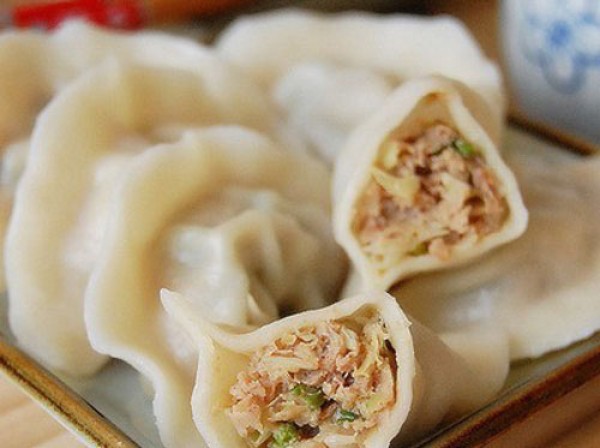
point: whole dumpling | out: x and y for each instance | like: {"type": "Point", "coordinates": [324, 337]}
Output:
{"type": "Point", "coordinates": [80, 148]}
{"type": "Point", "coordinates": [243, 229]}
{"type": "Point", "coordinates": [34, 67]}
{"type": "Point", "coordinates": [242, 245]}
{"type": "Point", "coordinates": [541, 290]}
{"type": "Point", "coordinates": [329, 72]}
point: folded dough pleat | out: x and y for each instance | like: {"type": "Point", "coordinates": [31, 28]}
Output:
{"type": "Point", "coordinates": [238, 224]}
{"type": "Point", "coordinates": [80, 149]}
{"type": "Point", "coordinates": [330, 72]}
{"type": "Point", "coordinates": [34, 67]}
{"type": "Point", "coordinates": [420, 186]}
{"type": "Point", "coordinates": [541, 290]}
{"type": "Point", "coordinates": [357, 372]}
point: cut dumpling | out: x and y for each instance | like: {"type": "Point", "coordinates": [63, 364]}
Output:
{"type": "Point", "coordinates": [328, 73]}
{"type": "Point", "coordinates": [243, 229]}
{"type": "Point", "coordinates": [542, 289]}
{"type": "Point", "coordinates": [34, 67]}
{"type": "Point", "coordinates": [81, 146]}
{"type": "Point", "coordinates": [420, 186]}
{"type": "Point", "coordinates": [356, 373]}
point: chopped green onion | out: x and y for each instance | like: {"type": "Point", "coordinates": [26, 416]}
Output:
{"type": "Point", "coordinates": [284, 436]}
{"type": "Point", "coordinates": [464, 148]}
{"type": "Point", "coordinates": [313, 396]}
{"type": "Point", "coordinates": [345, 416]}
{"type": "Point", "coordinates": [299, 389]}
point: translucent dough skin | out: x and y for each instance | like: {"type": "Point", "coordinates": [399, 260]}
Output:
{"type": "Point", "coordinates": [34, 67]}
{"type": "Point", "coordinates": [330, 72]}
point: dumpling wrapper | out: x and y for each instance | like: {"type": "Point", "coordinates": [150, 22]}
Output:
{"type": "Point", "coordinates": [34, 67]}
{"type": "Point", "coordinates": [415, 105]}
{"type": "Point", "coordinates": [261, 243]}
{"type": "Point", "coordinates": [246, 229]}
{"type": "Point", "coordinates": [432, 382]}
{"type": "Point", "coordinates": [540, 291]}
{"type": "Point", "coordinates": [80, 149]}
{"type": "Point", "coordinates": [329, 72]}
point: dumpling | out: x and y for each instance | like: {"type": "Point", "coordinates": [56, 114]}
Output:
{"type": "Point", "coordinates": [34, 67]}
{"type": "Point", "coordinates": [80, 148]}
{"type": "Point", "coordinates": [421, 186]}
{"type": "Point", "coordinates": [355, 373]}
{"type": "Point", "coordinates": [541, 290]}
{"type": "Point", "coordinates": [323, 102]}
{"type": "Point", "coordinates": [243, 228]}
{"type": "Point", "coordinates": [330, 72]}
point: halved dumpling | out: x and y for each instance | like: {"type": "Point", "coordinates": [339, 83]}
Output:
{"type": "Point", "coordinates": [355, 373]}
{"type": "Point", "coordinates": [421, 186]}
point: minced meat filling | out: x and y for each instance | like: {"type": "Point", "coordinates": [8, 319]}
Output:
{"type": "Point", "coordinates": [333, 379]}
{"type": "Point", "coordinates": [427, 194]}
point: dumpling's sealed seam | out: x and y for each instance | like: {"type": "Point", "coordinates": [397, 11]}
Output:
{"type": "Point", "coordinates": [330, 72]}
{"type": "Point", "coordinates": [353, 374]}
{"type": "Point", "coordinates": [421, 186]}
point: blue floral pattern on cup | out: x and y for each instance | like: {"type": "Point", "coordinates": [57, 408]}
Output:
{"type": "Point", "coordinates": [563, 40]}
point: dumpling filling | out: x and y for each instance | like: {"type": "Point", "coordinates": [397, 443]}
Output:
{"type": "Point", "coordinates": [427, 193]}
{"type": "Point", "coordinates": [319, 386]}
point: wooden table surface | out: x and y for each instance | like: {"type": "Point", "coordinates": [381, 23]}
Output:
{"type": "Point", "coordinates": [24, 424]}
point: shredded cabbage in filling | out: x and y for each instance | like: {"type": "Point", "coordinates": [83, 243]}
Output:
{"type": "Point", "coordinates": [427, 194]}
{"type": "Point", "coordinates": [318, 386]}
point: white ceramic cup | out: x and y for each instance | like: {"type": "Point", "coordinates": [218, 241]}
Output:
{"type": "Point", "coordinates": [552, 52]}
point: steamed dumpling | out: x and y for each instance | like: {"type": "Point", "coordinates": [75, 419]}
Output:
{"type": "Point", "coordinates": [242, 229]}
{"type": "Point", "coordinates": [330, 72]}
{"type": "Point", "coordinates": [421, 186]}
{"type": "Point", "coordinates": [34, 67]}
{"type": "Point", "coordinates": [541, 290]}
{"type": "Point", "coordinates": [81, 146]}
{"type": "Point", "coordinates": [356, 373]}
{"type": "Point", "coordinates": [241, 245]}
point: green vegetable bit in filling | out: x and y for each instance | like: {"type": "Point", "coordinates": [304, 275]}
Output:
{"type": "Point", "coordinates": [464, 148]}
{"type": "Point", "coordinates": [313, 396]}
{"type": "Point", "coordinates": [284, 436]}
{"type": "Point", "coordinates": [345, 416]}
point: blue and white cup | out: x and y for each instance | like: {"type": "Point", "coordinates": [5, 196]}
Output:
{"type": "Point", "coordinates": [552, 52]}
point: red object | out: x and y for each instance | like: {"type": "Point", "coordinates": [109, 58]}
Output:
{"type": "Point", "coordinates": [124, 14]}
